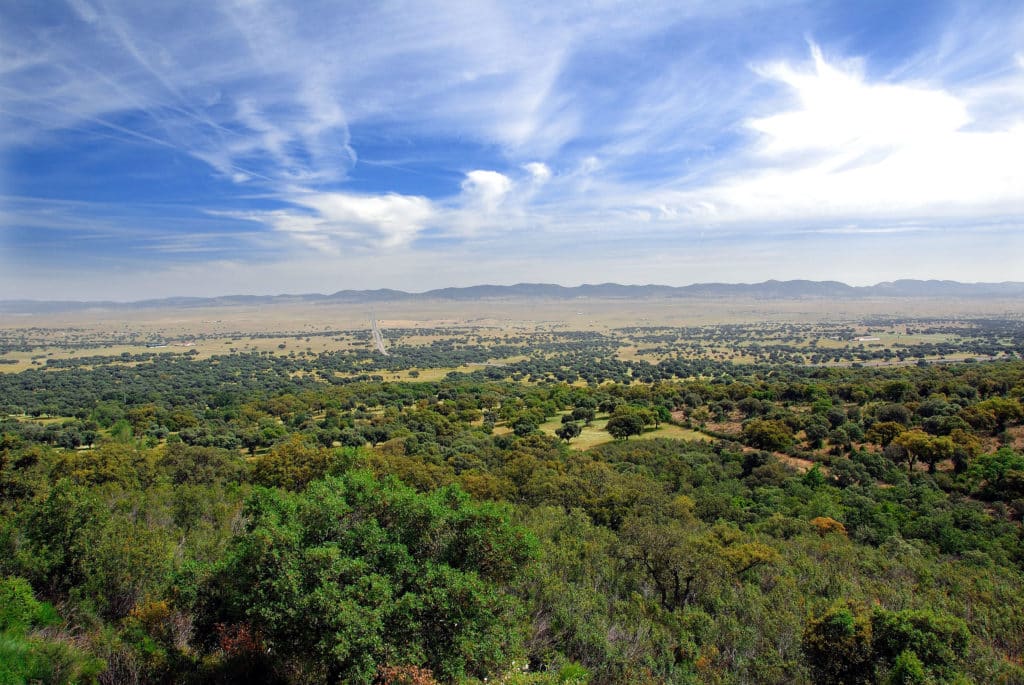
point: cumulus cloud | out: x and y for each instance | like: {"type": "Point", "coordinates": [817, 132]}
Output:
{"type": "Point", "coordinates": [841, 113]}
{"type": "Point", "coordinates": [332, 222]}
{"type": "Point", "coordinates": [485, 190]}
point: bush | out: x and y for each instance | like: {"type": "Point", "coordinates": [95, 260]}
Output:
{"type": "Point", "coordinates": [355, 572]}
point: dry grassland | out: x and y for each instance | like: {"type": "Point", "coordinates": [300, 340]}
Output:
{"type": "Point", "coordinates": [316, 328]}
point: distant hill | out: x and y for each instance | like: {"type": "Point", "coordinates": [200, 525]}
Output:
{"type": "Point", "coordinates": [768, 290]}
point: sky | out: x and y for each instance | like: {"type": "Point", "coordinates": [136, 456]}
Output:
{"type": "Point", "coordinates": [152, 149]}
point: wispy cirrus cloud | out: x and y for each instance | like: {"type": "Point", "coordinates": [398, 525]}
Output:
{"type": "Point", "coordinates": [287, 131]}
{"type": "Point", "coordinates": [145, 75]}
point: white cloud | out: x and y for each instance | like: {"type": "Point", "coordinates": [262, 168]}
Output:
{"type": "Point", "coordinates": [269, 88]}
{"type": "Point", "coordinates": [334, 222]}
{"type": "Point", "coordinates": [539, 171]}
{"type": "Point", "coordinates": [489, 202]}
{"type": "Point", "coordinates": [485, 190]}
{"type": "Point", "coordinates": [840, 113]}
{"type": "Point", "coordinates": [652, 132]}
{"type": "Point", "coordinates": [853, 148]}
{"type": "Point", "coordinates": [84, 10]}
{"type": "Point", "coordinates": [233, 86]}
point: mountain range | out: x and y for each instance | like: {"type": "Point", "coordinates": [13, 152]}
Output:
{"type": "Point", "coordinates": [767, 290]}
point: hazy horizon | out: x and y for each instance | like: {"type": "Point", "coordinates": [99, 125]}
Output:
{"type": "Point", "coordinates": [207, 149]}
{"type": "Point", "coordinates": [569, 286]}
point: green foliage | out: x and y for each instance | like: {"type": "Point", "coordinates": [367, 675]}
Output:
{"type": "Point", "coordinates": [567, 674]}
{"type": "Point", "coordinates": [71, 542]}
{"type": "Point", "coordinates": [814, 478]}
{"type": "Point", "coordinates": [937, 641]}
{"type": "Point", "coordinates": [27, 658]}
{"type": "Point", "coordinates": [524, 426]}
{"type": "Point", "coordinates": [767, 434]}
{"type": "Point", "coordinates": [907, 670]}
{"type": "Point", "coordinates": [657, 560]}
{"type": "Point", "coordinates": [568, 431]}
{"type": "Point", "coordinates": [838, 646]}
{"type": "Point", "coordinates": [355, 572]}
{"type": "Point", "coordinates": [201, 465]}
{"type": "Point", "coordinates": [58, 533]}
{"type": "Point", "coordinates": [849, 644]}
{"type": "Point", "coordinates": [20, 610]}
{"type": "Point", "coordinates": [36, 660]}
{"type": "Point", "coordinates": [622, 425]}
{"type": "Point", "coordinates": [917, 445]}
{"type": "Point", "coordinates": [584, 414]}
{"type": "Point", "coordinates": [999, 475]}
{"type": "Point", "coordinates": [293, 464]}
{"type": "Point", "coordinates": [121, 432]}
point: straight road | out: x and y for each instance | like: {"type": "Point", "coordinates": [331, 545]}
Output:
{"type": "Point", "coordinates": [378, 339]}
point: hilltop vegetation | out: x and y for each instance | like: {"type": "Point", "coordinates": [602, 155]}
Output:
{"type": "Point", "coordinates": [298, 518]}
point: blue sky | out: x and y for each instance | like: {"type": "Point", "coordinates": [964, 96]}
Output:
{"type": "Point", "coordinates": [157, 149]}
